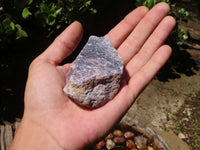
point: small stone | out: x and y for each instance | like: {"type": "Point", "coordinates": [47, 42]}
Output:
{"type": "Point", "coordinates": [129, 135]}
{"type": "Point", "coordinates": [141, 142]}
{"type": "Point", "coordinates": [95, 75]}
{"type": "Point", "coordinates": [118, 133]}
{"type": "Point", "coordinates": [110, 144]}
{"type": "Point", "coordinates": [119, 140]}
{"type": "Point", "coordinates": [150, 148]}
{"type": "Point", "coordinates": [109, 136]}
{"type": "Point", "coordinates": [181, 135]}
{"type": "Point", "coordinates": [130, 144]}
{"type": "Point", "coordinates": [100, 144]}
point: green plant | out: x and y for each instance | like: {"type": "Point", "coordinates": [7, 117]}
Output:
{"type": "Point", "coordinates": [46, 15]}
{"type": "Point", "coordinates": [182, 12]}
{"type": "Point", "coordinates": [150, 3]}
{"type": "Point", "coordinates": [182, 36]}
{"type": "Point", "coordinates": [26, 26]}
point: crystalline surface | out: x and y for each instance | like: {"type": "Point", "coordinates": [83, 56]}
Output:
{"type": "Point", "coordinates": [94, 76]}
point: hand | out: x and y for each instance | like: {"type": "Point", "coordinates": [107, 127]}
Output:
{"type": "Point", "coordinates": [52, 121]}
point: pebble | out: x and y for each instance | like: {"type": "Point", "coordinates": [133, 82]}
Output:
{"type": "Point", "coordinates": [150, 148]}
{"type": "Point", "coordinates": [110, 144]}
{"type": "Point", "coordinates": [126, 140]}
{"type": "Point", "coordinates": [181, 135]}
{"type": "Point", "coordinates": [100, 144]}
{"type": "Point", "coordinates": [129, 135]}
{"type": "Point", "coordinates": [141, 142]}
{"type": "Point", "coordinates": [118, 133]}
{"type": "Point", "coordinates": [130, 144]}
{"type": "Point", "coordinates": [109, 136]}
{"type": "Point", "coordinates": [119, 140]}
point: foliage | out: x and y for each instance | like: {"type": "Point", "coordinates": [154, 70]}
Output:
{"type": "Point", "coordinates": [182, 36]}
{"type": "Point", "coordinates": [26, 26]}
{"type": "Point", "coordinates": [182, 13]}
{"type": "Point", "coordinates": [179, 15]}
{"type": "Point", "coordinates": [150, 3]}
{"type": "Point", "coordinates": [47, 15]}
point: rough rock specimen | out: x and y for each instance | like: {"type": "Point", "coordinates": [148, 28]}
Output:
{"type": "Point", "coordinates": [94, 76]}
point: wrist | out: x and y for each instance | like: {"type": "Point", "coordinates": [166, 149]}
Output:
{"type": "Point", "coordinates": [33, 137]}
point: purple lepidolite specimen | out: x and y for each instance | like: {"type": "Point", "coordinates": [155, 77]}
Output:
{"type": "Point", "coordinates": [95, 75]}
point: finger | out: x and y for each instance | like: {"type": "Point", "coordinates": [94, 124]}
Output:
{"type": "Point", "coordinates": [65, 68]}
{"type": "Point", "coordinates": [140, 79]}
{"type": "Point", "coordinates": [142, 31]}
{"type": "Point", "coordinates": [64, 44]}
{"type": "Point", "coordinates": [119, 33]}
{"type": "Point", "coordinates": [151, 45]}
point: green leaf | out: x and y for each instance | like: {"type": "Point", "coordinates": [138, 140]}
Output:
{"type": "Point", "coordinates": [12, 25]}
{"type": "Point", "coordinates": [6, 22]}
{"type": "Point", "coordinates": [185, 37]}
{"type": "Point", "coordinates": [29, 2]}
{"type": "Point", "coordinates": [182, 12]}
{"type": "Point", "coordinates": [180, 33]}
{"type": "Point", "coordinates": [149, 3]}
{"type": "Point", "coordinates": [18, 26]}
{"type": "Point", "coordinates": [50, 20]}
{"type": "Point", "coordinates": [20, 32]}
{"type": "Point", "coordinates": [26, 13]}
{"type": "Point", "coordinates": [186, 13]}
{"type": "Point", "coordinates": [8, 26]}
{"type": "Point", "coordinates": [93, 11]}
{"type": "Point", "coordinates": [179, 43]}
{"type": "Point", "coordinates": [43, 7]}
{"type": "Point", "coordinates": [58, 26]}
{"type": "Point", "coordinates": [57, 12]}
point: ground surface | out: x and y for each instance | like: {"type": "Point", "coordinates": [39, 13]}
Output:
{"type": "Point", "coordinates": [173, 104]}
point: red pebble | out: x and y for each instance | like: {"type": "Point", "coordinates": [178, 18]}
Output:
{"type": "Point", "coordinates": [129, 135]}
{"type": "Point", "coordinates": [118, 140]}
{"type": "Point", "coordinates": [130, 144]}
{"type": "Point", "coordinates": [100, 144]}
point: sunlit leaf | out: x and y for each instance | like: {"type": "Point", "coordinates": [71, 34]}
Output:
{"type": "Point", "coordinates": [20, 32]}
{"type": "Point", "coordinates": [8, 26]}
{"type": "Point", "coordinates": [26, 13]}
{"type": "Point", "coordinates": [12, 25]}
{"type": "Point", "coordinates": [29, 2]}
{"type": "Point", "coordinates": [50, 20]}
{"type": "Point", "coordinates": [57, 11]}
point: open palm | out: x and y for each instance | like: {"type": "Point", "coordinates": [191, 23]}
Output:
{"type": "Point", "coordinates": [139, 39]}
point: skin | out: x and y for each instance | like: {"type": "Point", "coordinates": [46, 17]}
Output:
{"type": "Point", "coordinates": [52, 121]}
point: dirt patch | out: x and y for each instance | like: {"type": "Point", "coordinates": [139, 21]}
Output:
{"type": "Point", "coordinates": [187, 121]}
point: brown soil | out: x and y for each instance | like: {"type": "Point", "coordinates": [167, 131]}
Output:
{"type": "Point", "coordinates": [187, 121]}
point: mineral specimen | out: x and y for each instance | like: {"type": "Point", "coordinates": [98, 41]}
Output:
{"type": "Point", "coordinates": [95, 75]}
